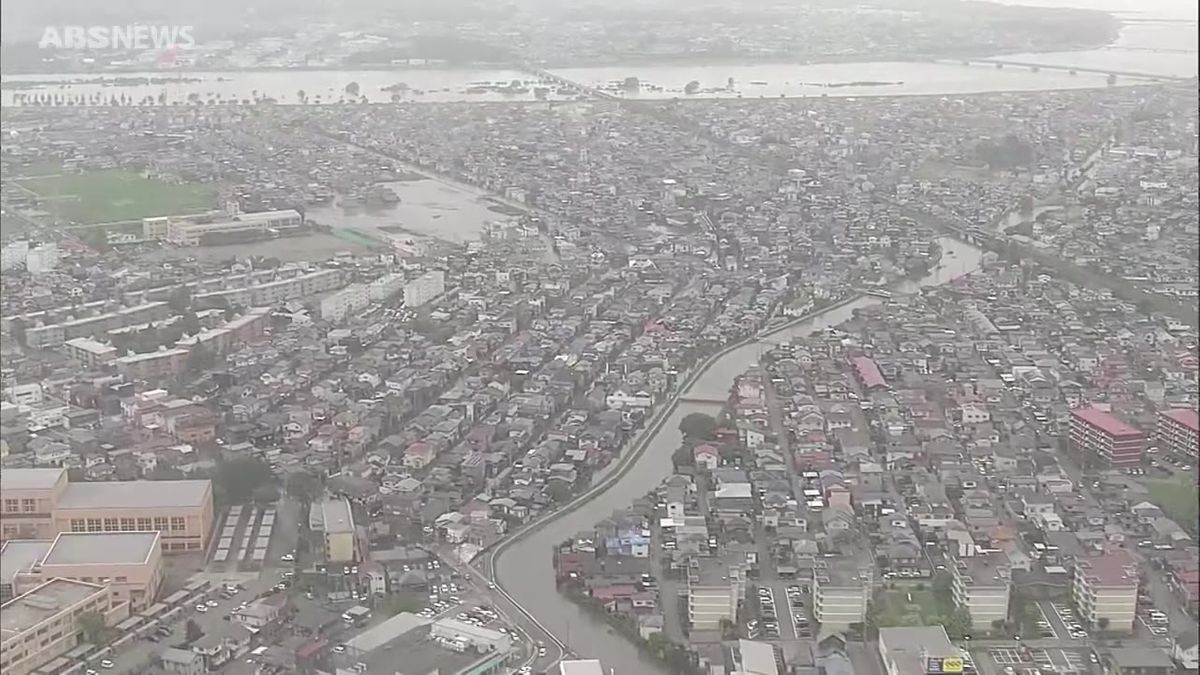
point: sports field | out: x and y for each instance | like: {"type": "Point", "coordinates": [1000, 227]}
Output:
{"type": "Point", "coordinates": [115, 195]}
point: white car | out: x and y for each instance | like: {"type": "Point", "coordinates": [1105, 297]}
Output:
{"type": "Point", "coordinates": [541, 651]}
{"type": "Point", "coordinates": [288, 558]}
{"type": "Point", "coordinates": [106, 664]}
{"type": "Point", "coordinates": [201, 608]}
{"type": "Point", "coordinates": [212, 603]}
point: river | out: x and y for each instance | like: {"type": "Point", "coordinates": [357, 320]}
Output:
{"type": "Point", "coordinates": [525, 569]}
{"type": "Point", "coordinates": [1158, 40]}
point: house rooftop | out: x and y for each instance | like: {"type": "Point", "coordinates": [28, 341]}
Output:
{"type": "Point", "coordinates": [1186, 417]}
{"type": "Point", "coordinates": [19, 555]}
{"type": "Point", "coordinates": [103, 548]}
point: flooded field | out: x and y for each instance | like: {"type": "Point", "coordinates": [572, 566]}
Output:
{"type": "Point", "coordinates": [428, 208]}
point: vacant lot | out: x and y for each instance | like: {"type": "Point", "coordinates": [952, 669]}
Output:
{"type": "Point", "coordinates": [1177, 498]}
{"type": "Point", "coordinates": [115, 195]}
{"type": "Point", "coordinates": [896, 608]}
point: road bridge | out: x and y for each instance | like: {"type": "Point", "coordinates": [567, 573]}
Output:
{"type": "Point", "coordinates": [703, 401]}
{"type": "Point", "coordinates": [1074, 70]}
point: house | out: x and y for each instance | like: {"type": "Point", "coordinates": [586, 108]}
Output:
{"type": "Point", "coordinates": [706, 457]}
{"type": "Point", "coordinates": [619, 400]}
{"type": "Point", "coordinates": [418, 455]}
{"type": "Point", "coordinates": [261, 612]}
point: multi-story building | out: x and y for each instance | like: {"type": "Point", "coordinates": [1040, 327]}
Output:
{"type": "Point", "coordinates": [41, 503]}
{"type": "Point", "coordinates": [982, 586]}
{"type": "Point", "coordinates": [918, 650]}
{"type": "Point", "coordinates": [129, 563]}
{"type": "Point", "coordinates": [91, 353]}
{"type": "Point", "coordinates": [385, 287]}
{"type": "Point", "coordinates": [424, 288]}
{"type": "Point", "coordinates": [39, 334]}
{"type": "Point", "coordinates": [192, 231]}
{"type": "Point", "coordinates": [162, 363]}
{"type": "Point", "coordinates": [1098, 436]}
{"type": "Point", "coordinates": [1178, 433]}
{"type": "Point", "coordinates": [1105, 589]}
{"type": "Point", "coordinates": [337, 306]}
{"type": "Point", "coordinates": [27, 501]}
{"type": "Point", "coordinates": [714, 590]}
{"type": "Point", "coordinates": [841, 590]}
{"type": "Point", "coordinates": [44, 623]}
{"type": "Point", "coordinates": [335, 520]}
{"type": "Point", "coordinates": [281, 290]}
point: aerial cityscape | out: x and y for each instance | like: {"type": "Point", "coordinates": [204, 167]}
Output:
{"type": "Point", "coordinates": [579, 338]}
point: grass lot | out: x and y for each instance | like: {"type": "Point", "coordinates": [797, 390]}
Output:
{"type": "Point", "coordinates": [1177, 498]}
{"type": "Point", "coordinates": [896, 610]}
{"type": "Point", "coordinates": [114, 195]}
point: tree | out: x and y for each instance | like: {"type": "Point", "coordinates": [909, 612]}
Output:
{"type": "Point", "coordinates": [1102, 623]}
{"type": "Point", "coordinates": [632, 84]}
{"type": "Point", "coordinates": [691, 87]}
{"type": "Point", "coordinates": [352, 89]}
{"type": "Point", "coordinates": [699, 426]}
{"type": "Point", "coordinates": [16, 328]}
{"type": "Point", "coordinates": [683, 456]}
{"type": "Point", "coordinates": [237, 479]}
{"type": "Point", "coordinates": [303, 486]}
{"type": "Point", "coordinates": [265, 493]}
{"type": "Point", "coordinates": [957, 623]}
{"type": "Point", "coordinates": [92, 625]}
{"type": "Point", "coordinates": [192, 631]}
{"type": "Point", "coordinates": [180, 299]}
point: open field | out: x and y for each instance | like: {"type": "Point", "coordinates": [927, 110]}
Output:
{"type": "Point", "coordinates": [896, 610]}
{"type": "Point", "coordinates": [115, 195]}
{"type": "Point", "coordinates": [1178, 499]}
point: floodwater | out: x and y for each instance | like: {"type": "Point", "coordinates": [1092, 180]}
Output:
{"type": "Point", "coordinates": [428, 208]}
{"type": "Point", "coordinates": [526, 570]}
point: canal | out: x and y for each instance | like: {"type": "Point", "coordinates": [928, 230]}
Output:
{"type": "Point", "coordinates": [524, 568]}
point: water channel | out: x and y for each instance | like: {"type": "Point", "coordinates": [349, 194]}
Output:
{"type": "Point", "coordinates": [525, 569]}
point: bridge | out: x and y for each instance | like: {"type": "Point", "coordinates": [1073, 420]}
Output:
{"type": "Point", "coordinates": [703, 401]}
{"type": "Point", "coordinates": [545, 75]}
{"type": "Point", "coordinates": [1074, 70]}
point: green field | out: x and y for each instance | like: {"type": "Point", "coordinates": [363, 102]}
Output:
{"type": "Point", "coordinates": [116, 195]}
{"type": "Point", "coordinates": [896, 610]}
{"type": "Point", "coordinates": [1177, 498]}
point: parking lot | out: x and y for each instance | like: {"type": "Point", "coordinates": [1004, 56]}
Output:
{"type": "Point", "coordinates": [1025, 661]}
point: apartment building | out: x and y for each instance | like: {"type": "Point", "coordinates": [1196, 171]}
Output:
{"type": "Point", "coordinates": [162, 363]}
{"type": "Point", "coordinates": [337, 306]}
{"type": "Point", "coordinates": [1178, 433]}
{"type": "Point", "coordinates": [129, 563]}
{"type": "Point", "coordinates": [335, 519]}
{"type": "Point", "coordinates": [841, 590]}
{"type": "Point", "coordinates": [385, 287]}
{"type": "Point", "coordinates": [44, 335]}
{"type": "Point", "coordinates": [90, 352]}
{"type": "Point", "coordinates": [281, 290]}
{"type": "Point", "coordinates": [41, 503]}
{"type": "Point", "coordinates": [1105, 589]}
{"type": "Point", "coordinates": [714, 590]}
{"type": "Point", "coordinates": [424, 288]}
{"type": "Point", "coordinates": [1100, 437]}
{"type": "Point", "coordinates": [983, 585]}
{"type": "Point", "coordinates": [43, 623]}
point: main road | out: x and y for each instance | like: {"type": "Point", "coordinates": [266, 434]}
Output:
{"type": "Point", "coordinates": [523, 566]}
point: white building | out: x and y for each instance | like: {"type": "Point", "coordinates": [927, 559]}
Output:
{"type": "Point", "coordinates": [714, 590]}
{"type": "Point", "coordinates": [918, 649]}
{"type": "Point", "coordinates": [841, 591]}
{"type": "Point", "coordinates": [1105, 590]}
{"type": "Point", "coordinates": [621, 399]}
{"type": "Point", "coordinates": [191, 230]}
{"type": "Point", "coordinates": [581, 667]}
{"type": "Point", "coordinates": [42, 259]}
{"type": "Point", "coordinates": [351, 299]}
{"type": "Point", "coordinates": [483, 639]}
{"type": "Point", "coordinates": [424, 288]}
{"type": "Point", "coordinates": [982, 586]}
{"type": "Point", "coordinates": [13, 255]}
{"type": "Point", "coordinates": [385, 287]}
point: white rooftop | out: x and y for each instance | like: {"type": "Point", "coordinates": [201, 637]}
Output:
{"type": "Point", "coordinates": [581, 667]}
{"type": "Point", "coordinates": [102, 548]}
